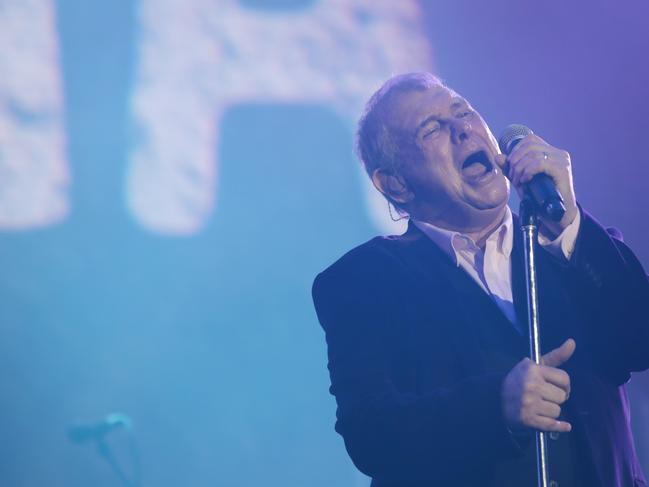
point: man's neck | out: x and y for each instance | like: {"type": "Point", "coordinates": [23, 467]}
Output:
{"type": "Point", "coordinates": [480, 236]}
{"type": "Point", "coordinates": [479, 233]}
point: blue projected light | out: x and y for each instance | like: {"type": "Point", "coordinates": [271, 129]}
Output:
{"type": "Point", "coordinates": [198, 58]}
{"type": "Point", "coordinates": [194, 59]}
{"type": "Point", "coordinates": [277, 5]}
{"type": "Point", "coordinates": [179, 171]}
{"type": "Point", "coordinates": [34, 175]}
{"type": "Point", "coordinates": [174, 173]}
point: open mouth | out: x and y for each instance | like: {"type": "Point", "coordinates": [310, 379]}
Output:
{"type": "Point", "coordinates": [476, 164]}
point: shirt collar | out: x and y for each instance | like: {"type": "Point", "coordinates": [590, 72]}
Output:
{"type": "Point", "coordinates": [452, 242]}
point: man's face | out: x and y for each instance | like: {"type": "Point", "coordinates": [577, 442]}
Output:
{"type": "Point", "coordinates": [456, 181]}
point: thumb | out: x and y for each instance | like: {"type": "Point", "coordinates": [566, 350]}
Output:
{"type": "Point", "coordinates": [501, 161]}
{"type": "Point", "coordinates": [559, 355]}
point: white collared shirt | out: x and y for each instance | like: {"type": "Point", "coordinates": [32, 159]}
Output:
{"type": "Point", "coordinates": [491, 267]}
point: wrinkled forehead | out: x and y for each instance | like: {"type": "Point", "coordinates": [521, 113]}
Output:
{"type": "Point", "coordinates": [409, 108]}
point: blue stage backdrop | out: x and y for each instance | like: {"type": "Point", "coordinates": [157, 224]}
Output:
{"type": "Point", "coordinates": [173, 174]}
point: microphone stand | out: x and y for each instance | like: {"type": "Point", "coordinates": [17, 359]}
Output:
{"type": "Point", "coordinates": [98, 431]}
{"type": "Point", "coordinates": [529, 226]}
{"type": "Point", "coordinates": [106, 453]}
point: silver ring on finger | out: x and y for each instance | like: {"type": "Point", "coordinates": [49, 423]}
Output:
{"type": "Point", "coordinates": [545, 156]}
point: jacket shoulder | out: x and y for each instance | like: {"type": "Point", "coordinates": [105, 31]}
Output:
{"type": "Point", "coordinates": [362, 271]}
{"type": "Point", "coordinates": [366, 259]}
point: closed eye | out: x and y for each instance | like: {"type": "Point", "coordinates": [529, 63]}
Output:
{"type": "Point", "coordinates": [431, 130]}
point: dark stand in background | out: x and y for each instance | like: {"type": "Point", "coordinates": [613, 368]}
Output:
{"type": "Point", "coordinates": [97, 432]}
{"type": "Point", "coordinates": [106, 453]}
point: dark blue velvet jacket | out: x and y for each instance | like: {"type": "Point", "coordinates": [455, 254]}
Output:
{"type": "Point", "coordinates": [418, 405]}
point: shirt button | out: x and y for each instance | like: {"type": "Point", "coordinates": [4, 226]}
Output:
{"type": "Point", "coordinates": [554, 435]}
{"type": "Point", "coordinates": [554, 483]}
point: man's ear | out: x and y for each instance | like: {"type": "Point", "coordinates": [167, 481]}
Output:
{"type": "Point", "coordinates": [392, 185]}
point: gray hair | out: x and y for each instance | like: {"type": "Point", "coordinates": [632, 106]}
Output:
{"type": "Point", "coordinates": [378, 145]}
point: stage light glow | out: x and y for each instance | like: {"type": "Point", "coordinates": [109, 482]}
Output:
{"type": "Point", "coordinates": [33, 167]}
{"type": "Point", "coordinates": [197, 58]}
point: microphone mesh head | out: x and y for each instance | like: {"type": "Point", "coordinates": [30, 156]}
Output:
{"type": "Point", "coordinates": [511, 136]}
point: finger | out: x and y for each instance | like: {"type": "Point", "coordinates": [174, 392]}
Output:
{"type": "Point", "coordinates": [528, 144]}
{"type": "Point", "coordinates": [552, 393]}
{"type": "Point", "coordinates": [501, 162]}
{"type": "Point", "coordinates": [530, 160]}
{"type": "Point", "coordinates": [537, 151]}
{"type": "Point", "coordinates": [548, 410]}
{"type": "Point", "coordinates": [532, 169]}
{"type": "Point", "coordinates": [541, 149]}
{"type": "Point", "coordinates": [533, 163]}
{"type": "Point", "coordinates": [514, 171]}
{"type": "Point", "coordinates": [530, 139]}
{"type": "Point", "coordinates": [559, 378]}
{"type": "Point", "coordinates": [521, 162]}
{"type": "Point", "coordinates": [548, 424]}
{"type": "Point", "coordinates": [560, 355]}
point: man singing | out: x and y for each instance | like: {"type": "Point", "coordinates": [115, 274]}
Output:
{"type": "Point", "coordinates": [427, 331]}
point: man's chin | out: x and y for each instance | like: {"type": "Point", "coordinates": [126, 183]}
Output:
{"type": "Point", "coordinates": [491, 201]}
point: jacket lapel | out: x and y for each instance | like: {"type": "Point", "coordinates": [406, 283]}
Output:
{"type": "Point", "coordinates": [519, 286]}
{"type": "Point", "coordinates": [467, 299]}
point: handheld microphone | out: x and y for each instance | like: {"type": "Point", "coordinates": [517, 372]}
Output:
{"type": "Point", "coordinates": [541, 189]}
{"type": "Point", "coordinates": [96, 431]}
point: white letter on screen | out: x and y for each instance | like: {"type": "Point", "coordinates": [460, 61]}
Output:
{"type": "Point", "coordinates": [198, 57]}
{"type": "Point", "coordinates": [33, 168]}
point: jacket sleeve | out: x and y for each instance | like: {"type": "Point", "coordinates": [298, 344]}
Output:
{"type": "Point", "coordinates": [390, 433]}
{"type": "Point", "coordinates": [613, 289]}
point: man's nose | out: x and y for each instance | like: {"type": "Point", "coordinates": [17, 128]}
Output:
{"type": "Point", "coordinates": [460, 130]}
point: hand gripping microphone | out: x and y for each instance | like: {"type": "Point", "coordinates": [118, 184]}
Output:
{"type": "Point", "coordinates": [541, 189]}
